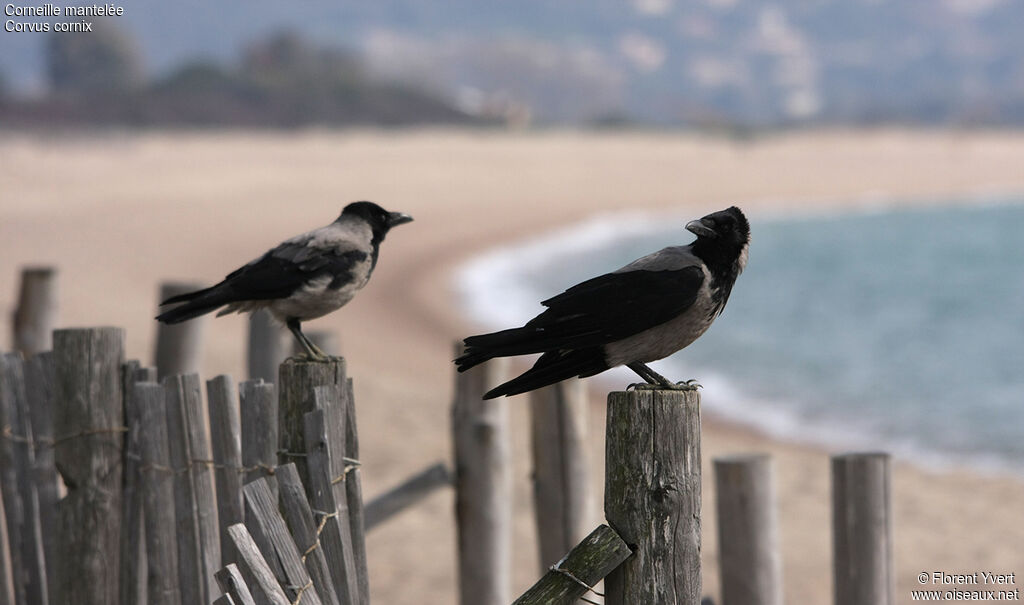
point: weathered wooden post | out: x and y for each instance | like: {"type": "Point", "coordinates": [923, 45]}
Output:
{"type": "Point", "coordinates": [89, 429]}
{"type": "Point", "coordinates": [575, 573]}
{"type": "Point", "coordinates": [561, 469]}
{"type": "Point", "coordinates": [255, 570]}
{"type": "Point", "coordinates": [652, 495]}
{"type": "Point", "coordinates": [179, 347]}
{"type": "Point", "coordinates": [36, 314]}
{"type": "Point", "coordinates": [748, 533]}
{"type": "Point", "coordinates": [195, 504]}
{"type": "Point", "coordinates": [157, 490]}
{"type": "Point", "coordinates": [134, 571]}
{"type": "Point", "coordinates": [306, 532]}
{"type": "Point", "coordinates": [862, 529]}
{"type": "Point", "coordinates": [226, 442]}
{"type": "Point", "coordinates": [18, 465]}
{"type": "Point", "coordinates": [267, 346]}
{"type": "Point", "coordinates": [6, 574]}
{"type": "Point", "coordinates": [298, 379]}
{"type": "Point", "coordinates": [483, 487]}
{"type": "Point", "coordinates": [258, 409]}
{"type": "Point", "coordinates": [39, 388]}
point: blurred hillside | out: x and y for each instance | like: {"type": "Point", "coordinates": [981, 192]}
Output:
{"type": "Point", "coordinates": [705, 63]}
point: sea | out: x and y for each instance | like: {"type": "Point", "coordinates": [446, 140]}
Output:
{"type": "Point", "coordinates": [894, 327]}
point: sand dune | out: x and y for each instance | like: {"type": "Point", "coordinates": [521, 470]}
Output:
{"type": "Point", "coordinates": [119, 213]}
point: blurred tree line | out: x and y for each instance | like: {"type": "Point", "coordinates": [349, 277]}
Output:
{"type": "Point", "coordinates": [281, 81]}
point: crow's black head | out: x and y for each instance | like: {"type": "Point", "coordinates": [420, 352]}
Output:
{"type": "Point", "coordinates": [722, 239]}
{"type": "Point", "coordinates": [380, 220]}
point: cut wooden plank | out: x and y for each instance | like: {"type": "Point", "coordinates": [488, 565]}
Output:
{"type": "Point", "coordinates": [270, 533]}
{"type": "Point", "coordinates": [575, 574]}
{"type": "Point", "coordinates": [6, 575]}
{"type": "Point", "coordinates": [232, 583]}
{"type": "Point", "coordinates": [40, 389]}
{"type": "Point", "coordinates": [327, 497]}
{"type": "Point", "coordinates": [259, 429]}
{"type": "Point", "coordinates": [353, 483]}
{"type": "Point", "coordinates": [133, 539]}
{"type": "Point", "coordinates": [194, 500]}
{"type": "Point", "coordinates": [483, 487]}
{"type": "Point", "coordinates": [305, 530]}
{"type": "Point", "coordinates": [261, 581]}
{"type": "Point", "coordinates": [157, 490]}
{"type": "Point", "coordinates": [406, 494]}
{"type": "Point", "coordinates": [89, 429]}
{"type": "Point", "coordinates": [652, 495]}
{"type": "Point", "coordinates": [226, 440]}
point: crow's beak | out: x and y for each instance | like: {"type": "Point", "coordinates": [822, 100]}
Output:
{"type": "Point", "coordinates": [701, 229]}
{"type": "Point", "coordinates": [398, 218]}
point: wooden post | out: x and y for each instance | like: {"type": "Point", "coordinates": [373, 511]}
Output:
{"type": "Point", "coordinates": [254, 568]}
{"type": "Point", "coordinates": [483, 487]}
{"type": "Point", "coordinates": [89, 429]}
{"type": "Point", "coordinates": [406, 494]}
{"type": "Point", "coordinates": [157, 491]}
{"type": "Point", "coordinates": [748, 533]}
{"type": "Point", "coordinates": [350, 467]}
{"type": "Point", "coordinates": [295, 387]}
{"type": "Point", "coordinates": [226, 440]}
{"type": "Point", "coordinates": [267, 346]}
{"type": "Point", "coordinates": [561, 469]}
{"type": "Point", "coordinates": [179, 347]}
{"type": "Point", "coordinates": [134, 572]}
{"type": "Point", "coordinates": [652, 495]}
{"type": "Point", "coordinates": [194, 500]}
{"type": "Point", "coordinates": [259, 429]}
{"type": "Point", "coordinates": [39, 388]}
{"type": "Point", "coordinates": [862, 529]}
{"type": "Point", "coordinates": [270, 533]}
{"type": "Point", "coordinates": [36, 314]}
{"type": "Point", "coordinates": [19, 482]}
{"type": "Point", "coordinates": [306, 532]}
{"type": "Point", "coordinates": [328, 497]}
{"type": "Point", "coordinates": [576, 573]}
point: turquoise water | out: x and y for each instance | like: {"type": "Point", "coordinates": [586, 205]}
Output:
{"type": "Point", "coordinates": [900, 329]}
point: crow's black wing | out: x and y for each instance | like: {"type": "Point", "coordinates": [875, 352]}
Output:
{"type": "Point", "coordinates": [286, 268]}
{"type": "Point", "coordinates": [598, 311]}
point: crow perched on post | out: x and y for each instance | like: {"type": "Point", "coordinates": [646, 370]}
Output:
{"type": "Point", "coordinates": [305, 277]}
{"type": "Point", "coordinates": [645, 311]}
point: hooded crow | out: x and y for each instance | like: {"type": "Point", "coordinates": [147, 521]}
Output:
{"type": "Point", "coordinates": [647, 310]}
{"type": "Point", "coordinates": [305, 277]}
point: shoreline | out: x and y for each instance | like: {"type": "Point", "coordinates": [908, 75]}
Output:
{"type": "Point", "coordinates": [196, 206]}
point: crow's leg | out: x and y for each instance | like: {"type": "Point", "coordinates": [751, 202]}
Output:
{"type": "Point", "coordinates": [655, 380]}
{"type": "Point", "coordinates": [312, 351]}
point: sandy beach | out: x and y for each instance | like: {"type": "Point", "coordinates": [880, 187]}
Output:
{"type": "Point", "coordinates": [119, 213]}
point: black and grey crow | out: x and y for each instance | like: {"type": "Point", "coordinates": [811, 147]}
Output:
{"type": "Point", "coordinates": [645, 311]}
{"type": "Point", "coordinates": [305, 277]}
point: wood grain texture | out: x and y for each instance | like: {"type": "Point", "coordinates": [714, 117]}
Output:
{"type": "Point", "coordinates": [133, 539]}
{"type": "Point", "coordinates": [258, 410]}
{"type": "Point", "coordinates": [40, 389]}
{"type": "Point", "coordinates": [230, 580]}
{"type": "Point", "coordinates": [88, 452]}
{"type": "Point", "coordinates": [297, 379]}
{"type": "Point", "coordinates": [652, 495]}
{"type": "Point", "coordinates": [305, 530]}
{"type": "Point", "coordinates": [584, 566]}
{"type": "Point", "coordinates": [226, 443]}
{"type": "Point", "coordinates": [157, 490]}
{"type": "Point", "coordinates": [255, 570]}
{"type": "Point", "coordinates": [195, 503]}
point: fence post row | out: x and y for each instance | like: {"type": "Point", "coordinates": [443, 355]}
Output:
{"type": "Point", "coordinates": [652, 495]}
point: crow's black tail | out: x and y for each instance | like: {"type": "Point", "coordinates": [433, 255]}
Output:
{"type": "Point", "coordinates": [515, 341]}
{"type": "Point", "coordinates": [197, 303]}
{"type": "Point", "coordinates": [552, 367]}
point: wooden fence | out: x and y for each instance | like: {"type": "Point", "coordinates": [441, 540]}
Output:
{"type": "Point", "coordinates": [118, 489]}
